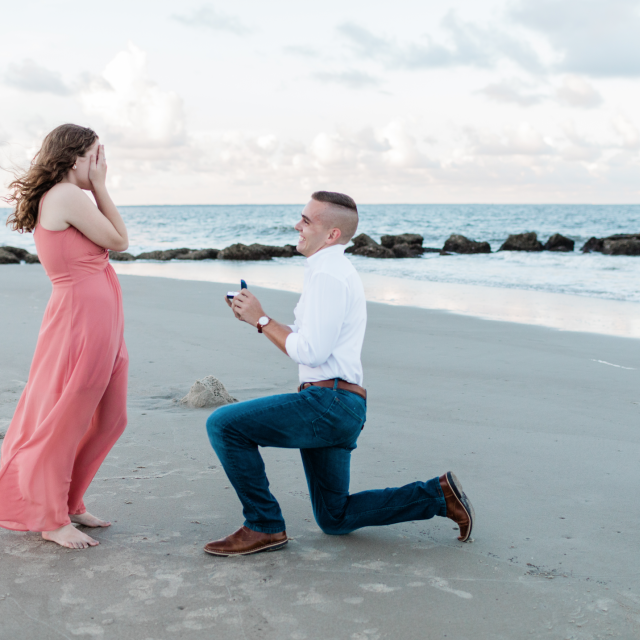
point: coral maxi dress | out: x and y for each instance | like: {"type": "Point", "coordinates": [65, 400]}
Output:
{"type": "Point", "coordinates": [73, 408]}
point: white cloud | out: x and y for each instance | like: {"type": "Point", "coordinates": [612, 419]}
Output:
{"type": "Point", "coordinates": [512, 91]}
{"type": "Point", "coordinates": [627, 131]}
{"type": "Point", "coordinates": [302, 50]}
{"type": "Point", "coordinates": [593, 37]}
{"type": "Point", "coordinates": [389, 150]}
{"type": "Point", "coordinates": [209, 17]}
{"type": "Point", "coordinates": [578, 147]}
{"type": "Point", "coordinates": [578, 92]}
{"type": "Point", "coordinates": [574, 91]}
{"type": "Point", "coordinates": [466, 44]}
{"type": "Point", "coordinates": [351, 78]}
{"type": "Point", "coordinates": [498, 96]}
{"type": "Point", "coordinates": [30, 76]}
{"type": "Point", "coordinates": [521, 140]}
{"type": "Point", "coordinates": [135, 112]}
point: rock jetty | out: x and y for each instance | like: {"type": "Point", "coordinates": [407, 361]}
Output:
{"type": "Point", "coordinates": [199, 254]}
{"type": "Point", "coordinates": [522, 242]}
{"type": "Point", "coordinates": [558, 242]}
{"type": "Point", "coordinates": [456, 243]}
{"type": "Point", "coordinates": [622, 244]}
{"type": "Point", "coordinates": [15, 255]}
{"type": "Point", "coordinates": [404, 245]}
{"type": "Point", "coordinates": [121, 256]}
{"type": "Point", "coordinates": [364, 245]}
{"type": "Point", "coordinates": [168, 254]}
{"type": "Point", "coordinates": [241, 251]}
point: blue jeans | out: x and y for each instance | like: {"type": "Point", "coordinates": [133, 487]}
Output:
{"type": "Point", "coordinates": [324, 424]}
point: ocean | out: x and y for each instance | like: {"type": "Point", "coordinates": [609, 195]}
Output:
{"type": "Point", "coordinates": [591, 275]}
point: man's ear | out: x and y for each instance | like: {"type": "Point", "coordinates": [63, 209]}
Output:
{"type": "Point", "coordinates": [334, 234]}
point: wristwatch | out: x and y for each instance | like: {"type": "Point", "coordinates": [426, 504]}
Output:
{"type": "Point", "coordinates": [263, 322]}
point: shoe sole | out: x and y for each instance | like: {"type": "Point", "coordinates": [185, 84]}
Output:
{"type": "Point", "coordinates": [459, 493]}
{"type": "Point", "coordinates": [271, 547]}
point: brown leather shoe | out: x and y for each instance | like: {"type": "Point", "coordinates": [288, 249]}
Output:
{"type": "Point", "coordinates": [246, 541]}
{"type": "Point", "coordinates": [459, 509]}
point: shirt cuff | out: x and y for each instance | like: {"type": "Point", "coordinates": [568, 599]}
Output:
{"type": "Point", "coordinates": [293, 328]}
{"type": "Point", "coordinates": [291, 345]}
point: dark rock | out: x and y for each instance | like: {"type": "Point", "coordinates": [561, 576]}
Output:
{"type": "Point", "coordinates": [169, 254]}
{"type": "Point", "coordinates": [558, 242]}
{"type": "Point", "coordinates": [621, 246]}
{"type": "Point", "coordinates": [199, 254]}
{"type": "Point", "coordinates": [592, 244]}
{"type": "Point", "coordinates": [288, 251]}
{"type": "Point", "coordinates": [7, 257]}
{"type": "Point", "coordinates": [21, 254]}
{"type": "Point", "coordinates": [522, 242]}
{"type": "Point", "coordinates": [412, 239]}
{"type": "Point", "coordinates": [241, 251]}
{"type": "Point", "coordinates": [122, 256]}
{"type": "Point", "coordinates": [363, 245]}
{"type": "Point", "coordinates": [404, 250]}
{"type": "Point", "coordinates": [456, 243]}
{"type": "Point", "coordinates": [431, 250]}
{"type": "Point", "coordinates": [362, 240]}
{"type": "Point", "coordinates": [373, 252]}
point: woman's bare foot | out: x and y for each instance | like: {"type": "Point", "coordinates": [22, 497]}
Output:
{"type": "Point", "coordinates": [87, 520]}
{"type": "Point", "coordinates": [68, 536]}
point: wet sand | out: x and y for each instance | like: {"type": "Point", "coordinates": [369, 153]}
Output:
{"type": "Point", "coordinates": [541, 308]}
{"type": "Point", "coordinates": [540, 425]}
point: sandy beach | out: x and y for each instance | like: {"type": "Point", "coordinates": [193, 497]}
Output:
{"type": "Point", "coordinates": [540, 425]}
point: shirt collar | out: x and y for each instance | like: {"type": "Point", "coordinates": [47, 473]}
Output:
{"type": "Point", "coordinates": [327, 253]}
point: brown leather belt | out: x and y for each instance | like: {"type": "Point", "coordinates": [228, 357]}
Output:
{"type": "Point", "coordinates": [342, 384]}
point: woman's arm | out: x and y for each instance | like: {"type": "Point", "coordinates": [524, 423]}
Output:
{"type": "Point", "coordinates": [98, 177]}
{"type": "Point", "coordinates": [68, 205]}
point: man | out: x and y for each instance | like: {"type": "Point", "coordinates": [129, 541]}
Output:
{"type": "Point", "coordinates": [325, 417]}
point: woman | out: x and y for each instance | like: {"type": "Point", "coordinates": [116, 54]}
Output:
{"type": "Point", "coordinates": [73, 408]}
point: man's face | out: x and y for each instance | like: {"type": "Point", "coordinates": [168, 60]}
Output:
{"type": "Point", "coordinates": [313, 231]}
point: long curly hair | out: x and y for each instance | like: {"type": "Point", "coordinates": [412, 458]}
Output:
{"type": "Point", "coordinates": [56, 157]}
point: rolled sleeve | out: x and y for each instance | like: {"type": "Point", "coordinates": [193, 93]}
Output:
{"type": "Point", "coordinates": [291, 345]}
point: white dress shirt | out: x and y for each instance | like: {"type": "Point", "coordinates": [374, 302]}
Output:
{"type": "Point", "coordinates": [331, 318]}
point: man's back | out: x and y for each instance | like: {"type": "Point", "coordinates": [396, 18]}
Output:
{"type": "Point", "coordinates": [331, 319]}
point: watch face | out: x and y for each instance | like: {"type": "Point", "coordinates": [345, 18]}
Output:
{"type": "Point", "coordinates": [264, 320]}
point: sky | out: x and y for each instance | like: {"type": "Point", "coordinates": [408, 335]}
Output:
{"type": "Point", "coordinates": [411, 101]}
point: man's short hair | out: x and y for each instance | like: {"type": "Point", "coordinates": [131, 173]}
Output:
{"type": "Point", "coordinates": [341, 213]}
{"type": "Point", "coordinates": [339, 199]}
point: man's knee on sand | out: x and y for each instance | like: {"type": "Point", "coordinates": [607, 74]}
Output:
{"type": "Point", "coordinates": [329, 524]}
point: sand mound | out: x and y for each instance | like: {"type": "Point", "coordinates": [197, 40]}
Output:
{"type": "Point", "coordinates": [208, 392]}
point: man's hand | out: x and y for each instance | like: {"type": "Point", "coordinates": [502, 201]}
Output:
{"type": "Point", "coordinates": [247, 307]}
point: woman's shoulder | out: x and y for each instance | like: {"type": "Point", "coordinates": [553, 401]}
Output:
{"type": "Point", "coordinates": [58, 202]}
{"type": "Point", "coordinates": [64, 198]}
{"type": "Point", "coordinates": [64, 191]}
